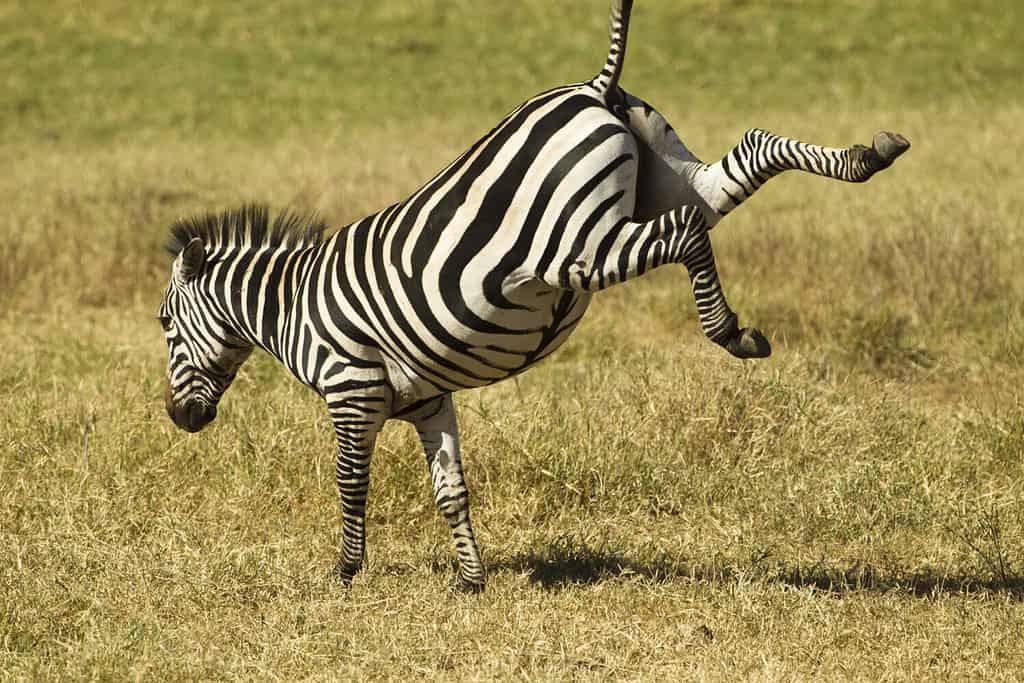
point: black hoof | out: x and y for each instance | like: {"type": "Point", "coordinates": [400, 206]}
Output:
{"type": "Point", "coordinates": [888, 146]}
{"type": "Point", "coordinates": [883, 151]}
{"type": "Point", "coordinates": [343, 574]}
{"type": "Point", "coordinates": [749, 343]}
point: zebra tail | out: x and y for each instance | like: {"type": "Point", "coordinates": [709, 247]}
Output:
{"type": "Point", "coordinates": [607, 81]}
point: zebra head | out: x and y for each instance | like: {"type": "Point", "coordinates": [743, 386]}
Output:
{"type": "Point", "coordinates": [203, 353]}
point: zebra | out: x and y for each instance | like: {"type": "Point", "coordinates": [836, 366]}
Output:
{"type": "Point", "coordinates": [478, 275]}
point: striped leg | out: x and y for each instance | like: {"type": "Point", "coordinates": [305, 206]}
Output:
{"type": "Point", "coordinates": [439, 433]}
{"type": "Point", "coordinates": [630, 248]}
{"type": "Point", "coordinates": [672, 175]}
{"type": "Point", "coordinates": [761, 155]}
{"type": "Point", "coordinates": [357, 418]}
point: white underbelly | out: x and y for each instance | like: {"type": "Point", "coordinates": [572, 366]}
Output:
{"type": "Point", "coordinates": [544, 319]}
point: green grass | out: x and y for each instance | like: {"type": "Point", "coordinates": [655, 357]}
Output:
{"type": "Point", "coordinates": [648, 507]}
{"type": "Point", "coordinates": [123, 71]}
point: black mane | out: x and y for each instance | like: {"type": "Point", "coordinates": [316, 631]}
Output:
{"type": "Point", "coordinates": [248, 226]}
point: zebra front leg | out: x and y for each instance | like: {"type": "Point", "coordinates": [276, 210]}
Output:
{"type": "Point", "coordinates": [357, 419]}
{"type": "Point", "coordinates": [629, 248]}
{"type": "Point", "coordinates": [438, 430]}
{"type": "Point", "coordinates": [760, 156]}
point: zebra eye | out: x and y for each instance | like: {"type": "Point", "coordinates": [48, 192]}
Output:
{"type": "Point", "coordinates": [166, 322]}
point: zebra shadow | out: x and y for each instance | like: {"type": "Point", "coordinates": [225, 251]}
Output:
{"type": "Point", "coordinates": [567, 565]}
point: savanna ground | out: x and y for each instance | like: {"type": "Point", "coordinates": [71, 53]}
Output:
{"type": "Point", "coordinates": [648, 505]}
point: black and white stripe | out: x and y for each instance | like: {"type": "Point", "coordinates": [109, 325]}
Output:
{"type": "Point", "coordinates": [481, 273]}
{"type": "Point", "coordinates": [607, 82]}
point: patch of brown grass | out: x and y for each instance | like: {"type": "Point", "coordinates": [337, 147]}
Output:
{"type": "Point", "coordinates": [647, 506]}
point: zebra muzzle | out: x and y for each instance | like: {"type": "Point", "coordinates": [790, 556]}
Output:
{"type": "Point", "coordinates": [192, 415]}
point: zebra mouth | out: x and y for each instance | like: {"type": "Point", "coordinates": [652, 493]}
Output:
{"type": "Point", "coordinates": [192, 415]}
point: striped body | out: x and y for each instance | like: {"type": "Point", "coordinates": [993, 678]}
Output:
{"type": "Point", "coordinates": [459, 285]}
{"type": "Point", "coordinates": [481, 273]}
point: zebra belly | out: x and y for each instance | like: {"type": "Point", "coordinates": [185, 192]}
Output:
{"type": "Point", "coordinates": [499, 343]}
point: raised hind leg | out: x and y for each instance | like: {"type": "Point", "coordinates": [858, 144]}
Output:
{"type": "Point", "coordinates": [761, 155]}
{"type": "Point", "coordinates": [671, 175]}
{"type": "Point", "coordinates": [439, 433]}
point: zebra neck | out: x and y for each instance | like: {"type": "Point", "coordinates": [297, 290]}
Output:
{"type": "Point", "coordinates": [261, 291]}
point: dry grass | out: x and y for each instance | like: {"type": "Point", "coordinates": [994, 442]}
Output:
{"type": "Point", "coordinates": [850, 508]}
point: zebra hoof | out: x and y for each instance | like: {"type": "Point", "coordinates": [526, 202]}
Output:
{"type": "Point", "coordinates": [888, 146]}
{"type": "Point", "coordinates": [749, 343]}
{"type": "Point", "coordinates": [343, 574]}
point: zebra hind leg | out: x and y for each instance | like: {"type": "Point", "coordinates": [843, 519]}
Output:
{"type": "Point", "coordinates": [760, 156]}
{"type": "Point", "coordinates": [626, 249]}
{"type": "Point", "coordinates": [438, 431]}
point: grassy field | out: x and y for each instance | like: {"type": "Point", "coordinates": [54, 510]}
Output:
{"type": "Point", "coordinates": [648, 506]}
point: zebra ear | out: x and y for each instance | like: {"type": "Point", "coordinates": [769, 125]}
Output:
{"type": "Point", "coordinates": [193, 258]}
